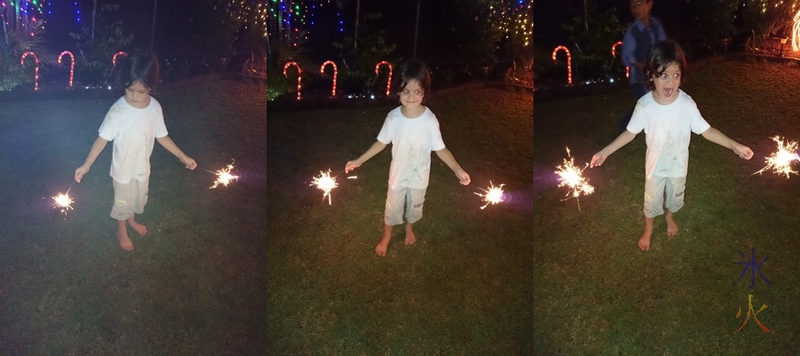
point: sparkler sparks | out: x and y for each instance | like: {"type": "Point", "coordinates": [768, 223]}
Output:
{"type": "Point", "coordinates": [780, 161]}
{"type": "Point", "coordinates": [570, 176]}
{"type": "Point", "coordinates": [325, 183]}
{"type": "Point", "coordinates": [63, 202]}
{"type": "Point", "coordinates": [224, 176]}
{"type": "Point", "coordinates": [493, 195]}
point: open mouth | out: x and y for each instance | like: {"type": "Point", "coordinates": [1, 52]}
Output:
{"type": "Point", "coordinates": [668, 91]}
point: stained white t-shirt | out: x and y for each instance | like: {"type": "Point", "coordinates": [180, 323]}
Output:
{"type": "Point", "coordinates": [668, 130]}
{"type": "Point", "coordinates": [412, 141]}
{"type": "Point", "coordinates": [133, 132]}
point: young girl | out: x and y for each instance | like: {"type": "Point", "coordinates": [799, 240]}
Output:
{"type": "Point", "coordinates": [668, 116]}
{"type": "Point", "coordinates": [413, 131]}
{"type": "Point", "coordinates": [134, 122]}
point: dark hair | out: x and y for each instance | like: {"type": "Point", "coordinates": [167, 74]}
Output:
{"type": "Point", "coordinates": [414, 70]}
{"type": "Point", "coordinates": [137, 67]}
{"type": "Point", "coordinates": [659, 57]}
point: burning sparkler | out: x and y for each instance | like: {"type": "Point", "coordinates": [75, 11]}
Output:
{"type": "Point", "coordinates": [63, 201]}
{"type": "Point", "coordinates": [224, 176]}
{"type": "Point", "coordinates": [325, 183]}
{"type": "Point", "coordinates": [780, 161]}
{"type": "Point", "coordinates": [493, 195]}
{"type": "Point", "coordinates": [570, 176]}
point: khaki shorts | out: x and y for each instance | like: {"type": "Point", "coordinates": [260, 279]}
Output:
{"type": "Point", "coordinates": [656, 188]}
{"type": "Point", "coordinates": [395, 199]}
{"type": "Point", "coordinates": [129, 199]}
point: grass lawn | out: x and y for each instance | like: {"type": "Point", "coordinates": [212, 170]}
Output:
{"type": "Point", "coordinates": [595, 292]}
{"type": "Point", "coordinates": [463, 288]}
{"type": "Point", "coordinates": [195, 284]}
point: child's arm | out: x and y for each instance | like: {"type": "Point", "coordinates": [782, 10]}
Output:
{"type": "Point", "coordinates": [167, 143]}
{"type": "Point", "coordinates": [621, 140]}
{"type": "Point", "coordinates": [376, 148]}
{"type": "Point", "coordinates": [447, 157]}
{"type": "Point", "coordinates": [97, 147]}
{"type": "Point", "coordinates": [719, 138]}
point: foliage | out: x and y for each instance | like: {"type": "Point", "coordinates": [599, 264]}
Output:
{"type": "Point", "coordinates": [356, 72]}
{"type": "Point", "coordinates": [768, 17]}
{"type": "Point", "coordinates": [473, 34]}
{"type": "Point", "coordinates": [212, 27]}
{"type": "Point", "coordinates": [12, 72]}
{"type": "Point", "coordinates": [95, 62]}
{"type": "Point", "coordinates": [715, 20]}
{"type": "Point", "coordinates": [592, 35]}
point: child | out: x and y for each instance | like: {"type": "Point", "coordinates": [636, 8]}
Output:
{"type": "Point", "coordinates": [133, 122]}
{"type": "Point", "coordinates": [668, 116]}
{"type": "Point", "coordinates": [413, 131]}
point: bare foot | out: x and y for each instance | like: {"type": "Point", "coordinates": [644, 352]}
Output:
{"type": "Point", "coordinates": [410, 237]}
{"type": "Point", "coordinates": [384, 244]}
{"type": "Point", "coordinates": [124, 240]}
{"type": "Point", "coordinates": [644, 241]}
{"type": "Point", "coordinates": [672, 227]}
{"type": "Point", "coordinates": [141, 229]}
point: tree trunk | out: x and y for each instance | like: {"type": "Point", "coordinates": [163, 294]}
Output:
{"type": "Point", "coordinates": [153, 31]}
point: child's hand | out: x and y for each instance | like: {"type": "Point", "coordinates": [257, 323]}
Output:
{"type": "Point", "coordinates": [743, 151]}
{"type": "Point", "coordinates": [189, 162]}
{"type": "Point", "coordinates": [351, 165]}
{"type": "Point", "coordinates": [463, 177]}
{"type": "Point", "coordinates": [598, 159]}
{"type": "Point", "coordinates": [80, 172]}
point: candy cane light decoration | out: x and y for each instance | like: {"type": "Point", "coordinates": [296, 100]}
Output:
{"type": "Point", "coordinates": [614, 54]}
{"type": "Point", "coordinates": [569, 62]}
{"type": "Point", "coordinates": [299, 72]}
{"type": "Point", "coordinates": [114, 59]}
{"type": "Point", "coordinates": [36, 71]}
{"type": "Point", "coordinates": [71, 65]}
{"type": "Point", "coordinates": [389, 81]}
{"type": "Point", "coordinates": [335, 71]}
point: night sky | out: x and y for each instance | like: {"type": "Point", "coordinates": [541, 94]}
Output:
{"type": "Point", "coordinates": [172, 37]}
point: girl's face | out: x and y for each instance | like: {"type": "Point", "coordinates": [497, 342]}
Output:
{"type": "Point", "coordinates": [667, 84]}
{"type": "Point", "coordinates": [137, 95]}
{"type": "Point", "coordinates": [411, 96]}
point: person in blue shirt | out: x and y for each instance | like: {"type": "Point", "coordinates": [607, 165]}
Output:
{"type": "Point", "coordinates": [645, 31]}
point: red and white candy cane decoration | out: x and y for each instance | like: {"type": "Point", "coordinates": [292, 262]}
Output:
{"type": "Point", "coordinates": [299, 72]}
{"type": "Point", "coordinates": [569, 62]}
{"type": "Point", "coordinates": [71, 65]}
{"type": "Point", "coordinates": [335, 72]}
{"type": "Point", "coordinates": [114, 59]}
{"type": "Point", "coordinates": [614, 54]}
{"type": "Point", "coordinates": [389, 81]}
{"type": "Point", "coordinates": [36, 71]}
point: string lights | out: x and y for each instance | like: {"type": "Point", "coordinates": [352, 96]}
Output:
{"type": "Point", "coordinates": [514, 18]}
{"type": "Point", "coordinates": [569, 62]}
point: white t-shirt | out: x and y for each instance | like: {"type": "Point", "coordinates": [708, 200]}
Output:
{"type": "Point", "coordinates": [133, 132]}
{"type": "Point", "coordinates": [412, 141]}
{"type": "Point", "coordinates": [668, 130]}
